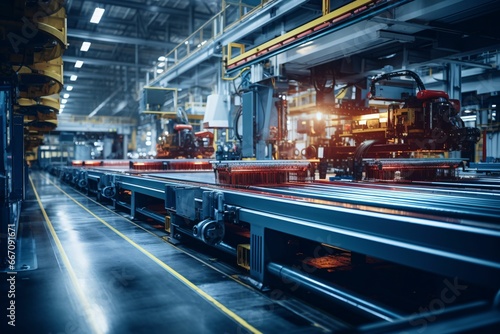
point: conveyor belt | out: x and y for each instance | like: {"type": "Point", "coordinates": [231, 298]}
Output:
{"type": "Point", "coordinates": [464, 206]}
{"type": "Point", "coordinates": [200, 177]}
{"type": "Point", "coordinates": [397, 225]}
{"type": "Point", "coordinates": [125, 279]}
{"type": "Point", "coordinates": [450, 232]}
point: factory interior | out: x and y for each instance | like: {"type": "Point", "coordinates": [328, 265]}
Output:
{"type": "Point", "coordinates": [249, 166]}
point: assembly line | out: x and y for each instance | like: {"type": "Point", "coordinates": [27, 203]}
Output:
{"type": "Point", "coordinates": [450, 232]}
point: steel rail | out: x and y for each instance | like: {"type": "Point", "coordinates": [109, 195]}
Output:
{"type": "Point", "coordinates": [462, 207]}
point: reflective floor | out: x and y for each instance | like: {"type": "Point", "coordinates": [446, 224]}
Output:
{"type": "Point", "coordinates": [83, 268]}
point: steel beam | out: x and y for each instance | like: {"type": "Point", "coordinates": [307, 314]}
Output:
{"type": "Point", "coordinates": [93, 36]}
{"type": "Point", "coordinates": [153, 9]}
{"type": "Point", "coordinates": [102, 62]}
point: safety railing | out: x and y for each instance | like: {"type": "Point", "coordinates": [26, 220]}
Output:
{"type": "Point", "coordinates": [232, 13]}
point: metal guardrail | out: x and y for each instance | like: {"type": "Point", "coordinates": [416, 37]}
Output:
{"type": "Point", "coordinates": [232, 13]}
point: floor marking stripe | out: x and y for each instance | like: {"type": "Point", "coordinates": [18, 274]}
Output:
{"type": "Point", "coordinates": [205, 263]}
{"type": "Point", "coordinates": [166, 267]}
{"type": "Point", "coordinates": [74, 280]}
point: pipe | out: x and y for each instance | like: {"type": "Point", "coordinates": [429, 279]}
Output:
{"type": "Point", "coordinates": [326, 289]}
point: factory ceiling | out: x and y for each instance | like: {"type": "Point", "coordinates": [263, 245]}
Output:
{"type": "Point", "coordinates": [124, 46]}
{"type": "Point", "coordinates": [132, 35]}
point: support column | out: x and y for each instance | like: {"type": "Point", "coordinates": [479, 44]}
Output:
{"type": "Point", "coordinates": [454, 81]}
{"type": "Point", "coordinates": [17, 152]}
{"type": "Point", "coordinates": [326, 7]}
{"type": "Point", "coordinates": [4, 180]}
{"type": "Point", "coordinates": [125, 146]}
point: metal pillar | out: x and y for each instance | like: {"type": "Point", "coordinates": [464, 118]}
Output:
{"type": "Point", "coordinates": [248, 102]}
{"type": "Point", "coordinates": [4, 109]}
{"type": "Point", "coordinates": [17, 152]}
{"type": "Point", "coordinates": [454, 81]}
{"type": "Point", "coordinates": [259, 115]}
{"type": "Point", "coordinates": [4, 200]}
{"type": "Point", "coordinates": [125, 146]}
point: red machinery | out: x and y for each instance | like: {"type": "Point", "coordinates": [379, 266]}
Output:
{"type": "Point", "coordinates": [179, 140]}
{"type": "Point", "coordinates": [425, 124]}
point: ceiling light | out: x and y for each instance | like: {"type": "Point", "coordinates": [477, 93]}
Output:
{"type": "Point", "coordinates": [69, 88]}
{"type": "Point", "coordinates": [73, 77]}
{"type": "Point", "coordinates": [64, 101]}
{"type": "Point", "coordinates": [85, 46]}
{"type": "Point", "coordinates": [162, 58]}
{"type": "Point", "coordinates": [159, 71]}
{"type": "Point", "coordinates": [389, 56]}
{"type": "Point", "coordinates": [79, 64]}
{"type": "Point", "coordinates": [66, 95]}
{"type": "Point", "coordinates": [161, 64]}
{"type": "Point", "coordinates": [469, 118]}
{"type": "Point", "coordinates": [96, 17]}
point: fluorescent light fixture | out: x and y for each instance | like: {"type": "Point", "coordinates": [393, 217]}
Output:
{"type": "Point", "coordinates": [96, 17]}
{"type": "Point", "coordinates": [79, 64]}
{"type": "Point", "coordinates": [64, 101]}
{"type": "Point", "coordinates": [162, 58]}
{"type": "Point", "coordinates": [85, 46]}
{"type": "Point", "coordinates": [161, 64]}
{"type": "Point", "coordinates": [471, 118]}
{"type": "Point", "coordinates": [73, 77]}
{"type": "Point", "coordinates": [159, 71]}
{"type": "Point", "coordinates": [66, 95]}
{"type": "Point", "coordinates": [69, 88]}
{"type": "Point", "coordinates": [493, 105]}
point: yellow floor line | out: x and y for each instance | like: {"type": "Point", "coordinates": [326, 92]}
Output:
{"type": "Point", "coordinates": [74, 280]}
{"type": "Point", "coordinates": [205, 263]}
{"type": "Point", "coordinates": [167, 268]}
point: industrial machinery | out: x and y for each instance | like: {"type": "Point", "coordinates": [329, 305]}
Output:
{"type": "Point", "coordinates": [179, 141]}
{"type": "Point", "coordinates": [409, 122]}
{"type": "Point", "coordinates": [32, 43]}
{"type": "Point", "coordinates": [392, 116]}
